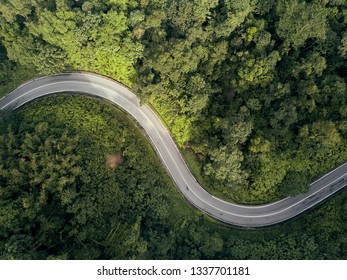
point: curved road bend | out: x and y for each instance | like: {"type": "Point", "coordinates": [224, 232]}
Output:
{"type": "Point", "coordinates": [240, 215]}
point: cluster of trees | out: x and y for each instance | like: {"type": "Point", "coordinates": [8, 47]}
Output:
{"type": "Point", "coordinates": [255, 90]}
{"type": "Point", "coordinates": [59, 199]}
{"type": "Point", "coordinates": [56, 35]}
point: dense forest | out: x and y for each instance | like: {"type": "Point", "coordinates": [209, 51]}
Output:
{"type": "Point", "coordinates": [79, 181]}
{"type": "Point", "coordinates": [254, 93]}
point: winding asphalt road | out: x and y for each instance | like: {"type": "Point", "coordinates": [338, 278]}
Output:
{"type": "Point", "coordinates": [240, 215]}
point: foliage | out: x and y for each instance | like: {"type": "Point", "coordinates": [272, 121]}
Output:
{"type": "Point", "coordinates": [60, 200]}
{"type": "Point", "coordinates": [232, 79]}
{"type": "Point", "coordinates": [55, 180]}
{"type": "Point", "coordinates": [59, 35]}
{"type": "Point", "coordinates": [241, 98]}
{"type": "Point", "coordinates": [255, 91]}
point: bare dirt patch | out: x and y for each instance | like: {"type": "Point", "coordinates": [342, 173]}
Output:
{"type": "Point", "coordinates": [114, 160]}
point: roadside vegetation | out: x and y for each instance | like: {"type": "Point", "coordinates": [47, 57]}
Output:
{"type": "Point", "coordinates": [254, 93]}
{"type": "Point", "coordinates": [80, 181]}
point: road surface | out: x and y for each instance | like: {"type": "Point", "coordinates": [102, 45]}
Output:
{"type": "Point", "coordinates": [239, 215]}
